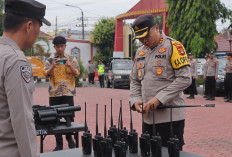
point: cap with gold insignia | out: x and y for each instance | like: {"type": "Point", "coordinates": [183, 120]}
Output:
{"type": "Point", "coordinates": [190, 54]}
{"type": "Point", "coordinates": [211, 52]}
{"type": "Point", "coordinates": [27, 8]}
{"type": "Point", "coordinates": [142, 25]}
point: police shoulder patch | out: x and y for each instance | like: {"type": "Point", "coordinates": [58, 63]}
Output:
{"type": "Point", "coordinates": [26, 73]}
{"type": "Point", "coordinates": [179, 57]}
{"type": "Point", "coordinates": [142, 53]}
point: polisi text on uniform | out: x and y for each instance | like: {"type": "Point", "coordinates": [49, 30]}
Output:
{"type": "Point", "coordinates": [180, 61]}
{"type": "Point", "coordinates": [160, 56]}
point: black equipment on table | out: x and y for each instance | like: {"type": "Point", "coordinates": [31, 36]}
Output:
{"type": "Point", "coordinates": [156, 141]}
{"type": "Point", "coordinates": [50, 116]}
{"type": "Point", "coordinates": [106, 143]}
{"type": "Point", "coordinates": [120, 146]}
{"type": "Point", "coordinates": [123, 132]}
{"type": "Point", "coordinates": [173, 143]}
{"type": "Point", "coordinates": [144, 140]}
{"type": "Point", "coordinates": [133, 136]}
{"type": "Point", "coordinates": [97, 138]}
{"type": "Point", "coordinates": [86, 138]}
{"type": "Point", "coordinates": [113, 131]}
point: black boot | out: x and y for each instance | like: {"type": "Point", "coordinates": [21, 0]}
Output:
{"type": "Point", "coordinates": [190, 97]}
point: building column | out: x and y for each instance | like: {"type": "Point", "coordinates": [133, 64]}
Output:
{"type": "Point", "coordinates": [118, 39]}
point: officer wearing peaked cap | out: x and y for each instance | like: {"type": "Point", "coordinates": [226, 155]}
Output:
{"type": "Point", "coordinates": [211, 75]}
{"type": "Point", "coordinates": [22, 22]}
{"type": "Point", "coordinates": [159, 75]}
{"type": "Point", "coordinates": [228, 78]}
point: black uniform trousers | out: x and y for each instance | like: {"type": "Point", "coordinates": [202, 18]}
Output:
{"type": "Point", "coordinates": [101, 80]}
{"type": "Point", "coordinates": [58, 101]}
{"type": "Point", "coordinates": [192, 88]}
{"type": "Point", "coordinates": [210, 84]}
{"type": "Point", "coordinates": [229, 84]}
{"type": "Point", "coordinates": [164, 131]}
{"type": "Point", "coordinates": [91, 77]}
{"type": "Point", "coordinates": [226, 86]}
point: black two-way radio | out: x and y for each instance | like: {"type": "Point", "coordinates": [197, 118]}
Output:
{"type": "Point", "coordinates": [156, 141]}
{"type": "Point", "coordinates": [144, 140]}
{"type": "Point", "coordinates": [173, 143]}
{"type": "Point", "coordinates": [86, 138]}
{"type": "Point", "coordinates": [106, 143]}
{"type": "Point", "coordinates": [133, 136]}
{"type": "Point", "coordinates": [97, 138]}
{"type": "Point", "coordinates": [123, 131]}
{"type": "Point", "coordinates": [113, 131]}
{"type": "Point", "coordinates": [120, 146]}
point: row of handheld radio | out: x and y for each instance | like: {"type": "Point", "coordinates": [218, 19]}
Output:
{"type": "Point", "coordinates": [121, 140]}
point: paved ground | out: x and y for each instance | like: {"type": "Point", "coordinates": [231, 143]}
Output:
{"type": "Point", "coordinates": [208, 131]}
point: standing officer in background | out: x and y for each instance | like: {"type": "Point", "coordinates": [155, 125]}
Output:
{"type": "Point", "coordinates": [228, 79]}
{"type": "Point", "coordinates": [193, 69]}
{"type": "Point", "coordinates": [211, 75]}
{"type": "Point", "coordinates": [91, 70]}
{"type": "Point", "coordinates": [101, 70]}
{"type": "Point", "coordinates": [22, 21]}
{"type": "Point", "coordinates": [205, 83]}
{"type": "Point", "coordinates": [159, 75]}
{"type": "Point", "coordinates": [61, 69]}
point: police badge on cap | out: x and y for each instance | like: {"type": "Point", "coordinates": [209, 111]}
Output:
{"type": "Point", "coordinates": [26, 73]}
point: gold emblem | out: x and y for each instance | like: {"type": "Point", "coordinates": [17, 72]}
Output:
{"type": "Point", "coordinates": [161, 40]}
{"type": "Point", "coordinates": [162, 50]}
{"type": "Point", "coordinates": [179, 48]}
{"type": "Point", "coordinates": [136, 28]}
{"type": "Point", "coordinates": [140, 65]}
{"type": "Point", "coordinates": [159, 71]}
{"type": "Point", "coordinates": [142, 53]}
{"type": "Point", "coordinates": [140, 73]}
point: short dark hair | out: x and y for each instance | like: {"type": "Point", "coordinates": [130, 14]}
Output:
{"type": "Point", "coordinates": [229, 54]}
{"type": "Point", "coordinates": [59, 40]}
{"type": "Point", "coordinates": [12, 23]}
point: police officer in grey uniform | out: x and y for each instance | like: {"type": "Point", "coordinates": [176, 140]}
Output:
{"type": "Point", "coordinates": [228, 79]}
{"type": "Point", "coordinates": [211, 75]}
{"type": "Point", "coordinates": [159, 75]}
{"type": "Point", "coordinates": [22, 22]}
{"type": "Point", "coordinates": [205, 83]}
{"type": "Point", "coordinates": [193, 69]}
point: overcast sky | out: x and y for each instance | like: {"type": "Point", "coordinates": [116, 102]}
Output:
{"type": "Point", "coordinates": [69, 17]}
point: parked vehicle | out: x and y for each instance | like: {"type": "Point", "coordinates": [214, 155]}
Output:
{"type": "Point", "coordinates": [118, 72]}
{"type": "Point", "coordinates": [221, 75]}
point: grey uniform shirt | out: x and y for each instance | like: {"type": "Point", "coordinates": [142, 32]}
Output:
{"type": "Point", "coordinates": [91, 68]}
{"type": "Point", "coordinates": [17, 128]}
{"type": "Point", "coordinates": [193, 68]}
{"type": "Point", "coordinates": [153, 75]}
{"type": "Point", "coordinates": [228, 66]}
{"type": "Point", "coordinates": [211, 68]}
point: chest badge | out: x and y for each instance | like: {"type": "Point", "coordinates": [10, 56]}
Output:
{"type": "Point", "coordinates": [142, 53]}
{"type": "Point", "coordinates": [140, 73]}
{"type": "Point", "coordinates": [213, 64]}
{"type": "Point", "coordinates": [159, 63]}
{"type": "Point", "coordinates": [162, 50]}
{"type": "Point", "coordinates": [159, 71]}
{"type": "Point", "coordinates": [26, 73]}
{"type": "Point", "coordinates": [161, 40]}
{"type": "Point", "coordinates": [140, 65]}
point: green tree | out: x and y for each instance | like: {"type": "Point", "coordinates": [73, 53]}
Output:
{"type": "Point", "coordinates": [38, 49]}
{"type": "Point", "coordinates": [192, 23]}
{"type": "Point", "coordinates": [102, 37]}
{"type": "Point", "coordinates": [1, 16]}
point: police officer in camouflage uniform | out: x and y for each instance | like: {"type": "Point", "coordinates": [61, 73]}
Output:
{"type": "Point", "coordinates": [193, 69]}
{"type": "Point", "coordinates": [228, 79]}
{"type": "Point", "coordinates": [22, 22]}
{"type": "Point", "coordinates": [159, 75]}
{"type": "Point", "coordinates": [211, 75]}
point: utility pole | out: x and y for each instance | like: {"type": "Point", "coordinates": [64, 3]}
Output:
{"type": "Point", "coordinates": [56, 27]}
{"type": "Point", "coordinates": [82, 19]}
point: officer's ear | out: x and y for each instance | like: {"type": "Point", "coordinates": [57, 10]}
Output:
{"type": "Point", "coordinates": [28, 26]}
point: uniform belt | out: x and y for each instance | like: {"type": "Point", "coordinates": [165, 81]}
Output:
{"type": "Point", "coordinates": [228, 73]}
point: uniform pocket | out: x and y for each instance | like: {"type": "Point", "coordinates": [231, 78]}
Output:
{"type": "Point", "coordinates": [159, 68]}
